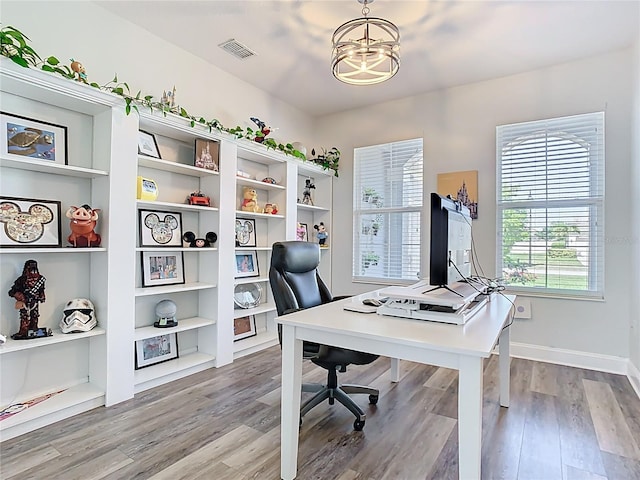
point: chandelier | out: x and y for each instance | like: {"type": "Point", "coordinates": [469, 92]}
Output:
{"type": "Point", "coordinates": [373, 57]}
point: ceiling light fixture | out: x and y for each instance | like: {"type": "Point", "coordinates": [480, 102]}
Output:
{"type": "Point", "coordinates": [373, 57]}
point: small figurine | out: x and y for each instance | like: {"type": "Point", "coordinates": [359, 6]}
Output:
{"type": "Point", "coordinates": [306, 193]}
{"type": "Point", "coordinates": [83, 222]}
{"type": "Point", "coordinates": [250, 200]}
{"type": "Point", "coordinates": [263, 129]}
{"type": "Point", "coordinates": [28, 290]}
{"type": "Point", "coordinates": [169, 98]}
{"type": "Point", "coordinates": [79, 71]}
{"type": "Point", "coordinates": [321, 234]}
{"type": "Point", "coordinates": [208, 241]}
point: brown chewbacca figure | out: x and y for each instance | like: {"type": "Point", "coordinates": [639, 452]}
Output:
{"type": "Point", "coordinates": [28, 290]}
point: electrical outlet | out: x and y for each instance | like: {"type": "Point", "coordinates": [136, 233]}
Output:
{"type": "Point", "coordinates": [523, 308]}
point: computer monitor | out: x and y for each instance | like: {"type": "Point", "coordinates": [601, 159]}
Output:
{"type": "Point", "coordinates": [450, 258]}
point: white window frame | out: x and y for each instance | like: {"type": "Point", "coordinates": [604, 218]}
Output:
{"type": "Point", "coordinates": [570, 153]}
{"type": "Point", "coordinates": [394, 173]}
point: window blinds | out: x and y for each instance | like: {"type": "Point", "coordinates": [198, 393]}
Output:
{"type": "Point", "coordinates": [550, 196]}
{"type": "Point", "coordinates": [387, 205]}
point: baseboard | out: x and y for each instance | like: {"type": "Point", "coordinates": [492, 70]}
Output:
{"type": "Point", "coordinates": [571, 358]}
{"type": "Point", "coordinates": [634, 377]}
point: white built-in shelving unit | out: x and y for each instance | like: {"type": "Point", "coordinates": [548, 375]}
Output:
{"type": "Point", "coordinates": [96, 368]}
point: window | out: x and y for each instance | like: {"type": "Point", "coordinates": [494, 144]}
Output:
{"type": "Point", "coordinates": [550, 213]}
{"type": "Point", "coordinates": [387, 199]}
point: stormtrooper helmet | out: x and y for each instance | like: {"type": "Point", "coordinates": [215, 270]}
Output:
{"type": "Point", "coordinates": [166, 314]}
{"type": "Point", "coordinates": [78, 315]}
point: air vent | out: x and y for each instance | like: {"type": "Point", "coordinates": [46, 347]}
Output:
{"type": "Point", "coordinates": [237, 49]}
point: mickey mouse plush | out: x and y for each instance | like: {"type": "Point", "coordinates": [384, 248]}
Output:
{"type": "Point", "coordinates": [208, 241]}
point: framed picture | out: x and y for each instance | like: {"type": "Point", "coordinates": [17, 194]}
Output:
{"type": "Point", "coordinates": [462, 186]}
{"type": "Point", "coordinates": [244, 327]}
{"type": "Point", "coordinates": [206, 154]}
{"type": "Point", "coordinates": [247, 264]}
{"type": "Point", "coordinates": [245, 232]}
{"type": "Point", "coordinates": [159, 268]}
{"type": "Point", "coordinates": [156, 350]}
{"type": "Point", "coordinates": [24, 138]}
{"type": "Point", "coordinates": [147, 145]}
{"type": "Point", "coordinates": [302, 233]}
{"type": "Point", "coordinates": [29, 222]}
{"type": "Point", "coordinates": [160, 229]}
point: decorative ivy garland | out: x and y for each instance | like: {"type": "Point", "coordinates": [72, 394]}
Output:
{"type": "Point", "coordinates": [14, 45]}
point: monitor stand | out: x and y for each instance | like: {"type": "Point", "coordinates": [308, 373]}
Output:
{"type": "Point", "coordinates": [446, 287]}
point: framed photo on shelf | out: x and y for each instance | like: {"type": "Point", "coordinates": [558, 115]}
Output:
{"type": "Point", "coordinates": [206, 154]}
{"type": "Point", "coordinates": [151, 351]}
{"type": "Point", "coordinates": [160, 229]}
{"type": "Point", "coordinates": [27, 138]}
{"type": "Point", "coordinates": [302, 233]}
{"type": "Point", "coordinates": [29, 222]}
{"type": "Point", "coordinates": [147, 144]}
{"type": "Point", "coordinates": [247, 264]}
{"type": "Point", "coordinates": [245, 232]}
{"type": "Point", "coordinates": [244, 327]}
{"type": "Point", "coordinates": [159, 268]}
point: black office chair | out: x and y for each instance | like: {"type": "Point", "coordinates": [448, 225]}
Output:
{"type": "Point", "coordinates": [296, 285]}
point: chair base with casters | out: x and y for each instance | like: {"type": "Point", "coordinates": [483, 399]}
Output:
{"type": "Point", "coordinates": [296, 285]}
{"type": "Point", "coordinates": [332, 392]}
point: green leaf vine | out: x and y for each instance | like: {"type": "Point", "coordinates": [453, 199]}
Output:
{"type": "Point", "coordinates": [15, 46]}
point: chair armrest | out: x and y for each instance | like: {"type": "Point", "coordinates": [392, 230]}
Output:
{"type": "Point", "coordinates": [341, 297]}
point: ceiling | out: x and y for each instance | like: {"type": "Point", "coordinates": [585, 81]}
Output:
{"type": "Point", "coordinates": [443, 43]}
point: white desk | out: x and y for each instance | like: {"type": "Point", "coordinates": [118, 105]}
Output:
{"type": "Point", "coordinates": [460, 347]}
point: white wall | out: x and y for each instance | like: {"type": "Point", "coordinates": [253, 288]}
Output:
{"type": "Point", "coordinates": [634, 337]}
{"type": "Point", "coordinates": [108, 45]}
{"type": "Point", "coordinates": [458, 126]}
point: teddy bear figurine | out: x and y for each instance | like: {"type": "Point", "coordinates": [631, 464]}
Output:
{"type": "Point", "coordinates": [250, 200]}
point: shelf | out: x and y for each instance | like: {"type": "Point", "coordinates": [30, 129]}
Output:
{"type": "Point", "coordinates": [183, 325]}
{"type": "Point", "coordinates": [164, 289]}
{"type": "Point", "coordinates": [154, 375]}
{"type": "Point", "coordinates": [33, 250]}
{"type": "Point", "coordinates": [240, 281]}
{"type": "Point", "coordinates": [174, 167]}
{"type": "Point", "coordinates": [247, 346]}
{"type": "Point", "coordinates": [258, 184]}
{"type": "Point", "coordinates": [258, 153]}
{"type": "Point", "coordinates": [242, 213]}
{"type": "Point", "coordinates": [302, 206]}
{"type": "Point", "coordinates": [175, 206]}
{"type": "Point", "coordinates": [308, 168]}
{"type": "Point", "coordinates": [262, 308]}
{"type": "Point", "coordinates": [54, 168]}
{"type": "Point", "coordinates": [177, 127]}
{"type": "Point", "coordinates": [72, 401]}
{"type": "Point", "coordinates": [247, 249]}
{"type": "Point", "coordinates": [58, 337]}
{"type": "Point", "coordinates": [176, 249]}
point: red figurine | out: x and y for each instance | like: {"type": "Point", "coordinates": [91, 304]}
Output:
{"type": "Point", "coordinates": [83, 223]}
{"type": "Point", "coordinates": [28, 290]}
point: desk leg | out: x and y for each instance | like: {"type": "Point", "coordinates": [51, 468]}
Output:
{"type": "Point", "coordinates": [290, 404]}
{"type": "Point", "coordinates": [505, 367]}
{"type": "Point", "coordinates": [395, 370]}
{"type": "Point", "coordinates": [470, 417]}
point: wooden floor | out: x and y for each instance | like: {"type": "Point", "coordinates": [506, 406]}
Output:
{"type": "Point", "coordinates": [563, 423]}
